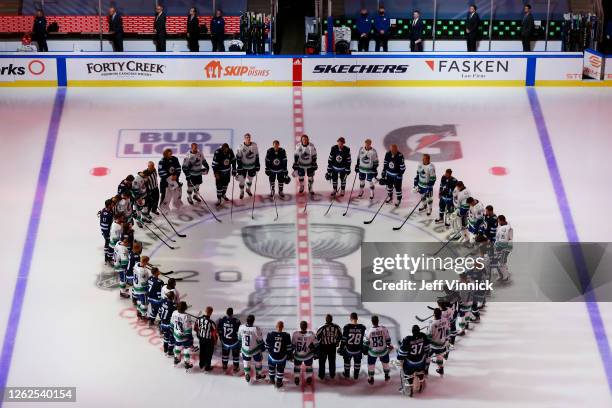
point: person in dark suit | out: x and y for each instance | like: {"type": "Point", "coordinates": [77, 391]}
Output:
{"type": "Point", "coordinates": [115, 26]}
{"type": "Point", "coordinates": [39, 31]}
{"type": "Point", "coordinates": [160, 29]}
{"type": "Point", "coordinates": [471, 28]}
{"type": "Point", "coordinates": [364, 27]}
{"type": "Point", "coordinates": [217, 32]}
{"type": "Point", "coordinates": [416, 32]}
{"type": "Point", "coordinates": [193, 30]}
{"type": "Point", "coordinates": [527, 28]}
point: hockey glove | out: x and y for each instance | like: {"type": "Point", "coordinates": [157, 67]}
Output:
{"type": "Point", "coordinates": [268, 173]}
{"type": "Point", "coordinates": [328, 176]}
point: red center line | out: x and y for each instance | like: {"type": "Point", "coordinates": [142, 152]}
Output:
{"type": "Point", "coordinates": [304, 292]}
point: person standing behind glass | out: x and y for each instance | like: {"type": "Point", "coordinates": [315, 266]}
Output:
{"type": "Point", "coordinates": [160, 29]}
{"type": "Point", "coordinates": [193, 30]}
{"type": "Point", "coordinates": [115, 26]}
{"type": "Point", "coordinates": [217, 32]}
{"type": "Point", "coordinates": [416, 32]}
{"type": "Point", "coordinates": [364, 27]}
{"type": "Point", "coordinates": [527, 28]}
{"type": "Point", "coordinates": [382, 25]}
{"type": "Point", "coordinates": [471, 29]}
{"type": "Point", "coordinates": [39, 31]}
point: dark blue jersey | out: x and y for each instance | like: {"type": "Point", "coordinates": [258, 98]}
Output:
{"type": "Point", "coordinates": [223, 162]}
{"type": "Point", "coordinates": [165, 311]}
{"type": "Point", "coordinates": [276, 160]}
{"type": "Point", "coordinates": [154, 287]}
{"type": "Point", "coordinates": [489, 227]}
{"type": "Point", "coordinates": [228, 330]}
{"type": "Point", "coordinates": [106, 219]}
{"type": "Point", "coordinates": [168, 166]}
{"type": "Point", "coordinates": [339, 159]}
{"type": "Point", "coordinates": [447, 186]}
{"type": "Point", "coordinates": [414, 348]}
{"type": "Point", "coordinates": [125, 187]}
{"type": "Point", "coordinates": [394, 165]}
{"type": "Point", "coordinates": [352, 337]}
{"type": "Point", "coordinates": [279, 345]}
{"type": "Point", "coordinates": [133, 259]}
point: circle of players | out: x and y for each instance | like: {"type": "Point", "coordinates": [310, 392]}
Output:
{"type": "Point", "coordinates": [159, 190]}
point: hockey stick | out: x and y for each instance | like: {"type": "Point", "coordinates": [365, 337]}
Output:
{"type": "Point", "coordinates": [350, 196]}
{"type": "Point", "coordinates": [254, 198]}
{"type": "Point", "coordinates": [158, 237]}
{"type": "Point", "coordinates": [447, 242]}
{"type": "Point", "coordinates": [377, 211]}
{"type": "Point", "coordinates": [166, 273]}
{"type": "Point", "coordinates": [408, 216]}
{"type": "Point", "coordinates": [420, 319]}
{"type": "Point", "coordinates": [330, 205]}
{"type": "Point", "coordinates": [204, 201]}
{"type": "Point", "coordinates": [232, 203]}
{"type": "Point", "coordinates": [171, 226]}
{"type": "Point", "coordinates": [275, 207]}
{"type": "Point", "coordinates": [161, 230]}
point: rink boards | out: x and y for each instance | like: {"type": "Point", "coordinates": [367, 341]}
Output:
{"type": "Point", "coordinates": [180, 69]}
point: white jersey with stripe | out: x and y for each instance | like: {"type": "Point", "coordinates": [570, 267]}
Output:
{"type": "Point", "coordinates": [121, 255]}
{"type": "Point", "coordinates": [165, 291]}
{"type": "Point", "coordinates": [182, 325]}
{"type": "Point", "coordinates": [303, 345]}
{"type": "Point", "coordinates": [193, 163]}
{"type": "Point", "coordinates": [377, 340]}
{"type": "Point", "coordinates": [305, 156]}
{"type": "Point", "coordinates": [141, 275]}
{"type": "Point", "coordinates": [116, 231]}
{"type": "Point", "coordinates": [368, 160]}
{"type": "Point", "coordinates": [476, 213]}
{"type": "Point", "coordinates": [251, 339]}
{"type": "Point", "coordinates": [460, 197]}
{"type": "Point", "coordinates": [247, 155]}
{"type": "Point", "coordinates": [438, 330]}
{"type": "Point", "coordinates": [504, 237]}
{"type": "Point", "coordinates": [426, 175]}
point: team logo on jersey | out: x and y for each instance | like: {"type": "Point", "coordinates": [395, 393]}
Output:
{"type": "Point", "coordinates": [152, 142]}
{"type": "Point", "coordinates": [276, 162]}
{"type": "Point", "coordinates": [339, 159]}
{"type": "Point", "coordinates": [391, 165]}
{"type": "Point", "coordinates": [226, 162]}
{"type": "Point", "coordinates": [439, 141]}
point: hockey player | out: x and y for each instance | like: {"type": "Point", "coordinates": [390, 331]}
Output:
{"type": "Point", "coordinates": [194, 166]}
{"type": "Point", "coordinates": [206, 330]}
{"type": "Point", "coordinates": [449, 315]}
{"type": "Point", "coordinates": [116, 231]}
{"type": "Point", "coordinates": [339, 166]}
{"type": "Point", "coordinates": [438, 333]}
{"type": "Point", "coordinates": [305, 163]}
{"type": "Point", "coordinates": [140, 210]}
{"type": "Point", "coordinates": [465, 307]}
{"type": "Point", "coordinates": [142, 271]}
{"type": "Point", "coordinates": [445, 205]}
{"type": "Point", "coordinates": [165, 313]}
{"type": "Point", "coordinates": [351, 347]}
{"type": "Point", "coordinates": [228, 327]}
{"type": "Point", "coordinates": [134, 258]}
{"type": "Point", "coordinates": [280, 349]}
{"type": "Point", "coordinates": [139, 186]}
{"type": "Point", "coordinates": [150, 175]}
{"type": "Point", "coordinates": [224, 167]}
{"type": "Point", "coordinates": [247, 162]}
{"type": "Point", "coordinates": [106, 220]}
{"type": "Point", "coordinates": [412, 353]}
{"type": "Point", "coordinates": [424, 182]}
{"type": "Point", "coordinates": [120, 262]}
{"type": "Point", "coordinates": [377, 344]}
{"type": "Point", "coordinates": [393, 171]}
{"type": "Point", "coordinates": [154, 298]}
{"type": "Point", "coordinates": [503, 246]}
{"type": "Point", "coordinates": [124, 207]}
{"type": "Point", "coordinates": [488, 228]}
{"type": "Point", "coordinates": [367, 167]}
{"type": "Point", "coordinates": [171, 287]}
{"type": "Point", "coordinates": [304, 344]}
{"type": "Point", "coordinates": [328, 336]}
{"type": "Point", "coordinates": [125, 186]}
{"type": "Point", "coordinates": [476, 216]}
{"type": "Point", "coordinates": [276, 168]}
{"type": "Point", "coordinates": [167, 166]}
{"type": "Point", "coordinates": [252, 345]}
{"type": "Point", "coordinates": [182, 328]}
{"type": "Point", "coordinates": [460, 196]}
{"type": "Point", "coordinates": [172, 196]}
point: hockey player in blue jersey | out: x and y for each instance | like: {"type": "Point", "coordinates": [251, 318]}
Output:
{"type": "Point", "coordinates": [154, 287]}
{"type": "Point", "coordinates": [168, 307]}
{"type": "Point", "coordinates": [280, 349]}
{"type": "Point", "coordinates": [338, 166]}
{"type": "Point", "coordinates": [412, 353]}
{"type": "Point", "coordinates": [276, 168]}
{"type": "Point", "coordinates": [351, 346]}
{"type": "Point", "coordinates": [393, 171]}
{"type": "Point", "coordinates": [168, 165]}
{"type": "Point", "coordinates": [224, 168]}
{"type": "Point", "coordinates": [106, 220]}
{"type": "Point", "coordinates": [445, 205]}
{"type": "Point", "coordinates": [228, 327]}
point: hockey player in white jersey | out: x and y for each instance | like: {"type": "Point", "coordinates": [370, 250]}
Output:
{"type": "Point", "coordinates": [247, 163]}
{"type": "Point", "coordinates": [305, 163]}
{"type": "Point", "coordinates": [170, 286]}
{"type": "Point", "coordinates": [121, 259]}
{"type": "Point", "coordinates": [252, 346]}
{"type": "Point", "coordinates": [304, 343]}
{"type": "Point", "coordinates": [124, 207]}
{"type": "Point", "coordinates": [476, 215]}
{"type": "Point", "coordinates": [139, 186]}
{"type": "Point", "coordinates": [449, 314]}
{"type": "Point", "coordinates": [182, 328]}
{"type": "Point", "coordinates": [438, 335]}
{"type": "Point", "coordinates": [174, 191]}
{"type": "Point", "coordinates": [141, 272]}
{"type": "Point", "coordinates": [424, 183]}
{"type": "Point", "coordinates": [503, 246]}
{"type": "Point", "coordinates": [367, 167]}
{"type": "Point", "coordinates": [194, 166]}
{"type": "Point", "coordinates": [377, 344]}
{"type": "Point", "coordinates": [116, 231]}
{"type": "Point", "coordinates": [460, 196]}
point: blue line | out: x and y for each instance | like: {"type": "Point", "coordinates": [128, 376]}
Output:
{"type": "Point", "coordinates": [30, 240]}
{"type": "Point", "coordinates": [531, 71]}
{"type": "Point", "coordinates": [62, 77]}
{"type": "Point", "coordinates": [597, 323]}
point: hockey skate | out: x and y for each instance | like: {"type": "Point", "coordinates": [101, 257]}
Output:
{"type": "Point", "coordinates": [439, 220]}
{"type": "Point", "coordinates": [360, 193]}
{"type": "Point", "coordinates": [241, 194]}
{"type": "Point", "coordinates": [387, 377]}
{"type": "Point", "coordinates": [371, 380]}
{"type": "Point", "coordinates": [301, 189]}
{"type": "Point", "coordinates": [333, 193]}
{"type": "Point", "coordinates": [397, 204]}
{"type": "Point", "coordinates": [281, 195]}
{"type": "Point", "coordinates": [247, 377]}
{"type": "Point", "coordinates": [342, 192]}
{"type": "Point", "coordinates": [188, 366]}
{"type": "Point", "coordinates": [389, 198]}
{"type": "Point", "coordinates": [440, 370]}
{"type": "Point", "coordinates": [248, 191]}
{"type": "Point", "coordinates": [190, 200]}
{"type": "Point", "coordinates": [196, 197]}
{"type": "Point", "coordinates": [176, 361]}
{"type": "Point", "coordinates": [309, 380]}
{"type": "Point", "coordinates": [296, 380]}
{"type": "Point", "coordinates": [312, 194]}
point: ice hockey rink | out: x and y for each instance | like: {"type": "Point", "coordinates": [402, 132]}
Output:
{"type": "Point", "coordinates": [539, 156]}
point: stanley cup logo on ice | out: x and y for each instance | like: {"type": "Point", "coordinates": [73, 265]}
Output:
{"type": "Point", "coordinates": [276, 296]}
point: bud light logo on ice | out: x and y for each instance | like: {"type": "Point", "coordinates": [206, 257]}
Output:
{"type": "Point", "coordinates": [152, 142]}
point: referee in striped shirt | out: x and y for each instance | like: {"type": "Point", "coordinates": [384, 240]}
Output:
{"type": "Point", "coordinates": [206, 330]}
{"type": "Point", "coordinates": [152, 188]}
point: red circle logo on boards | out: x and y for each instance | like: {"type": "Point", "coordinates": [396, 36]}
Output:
{"type": "Point", "coordinates": [36, 67]}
